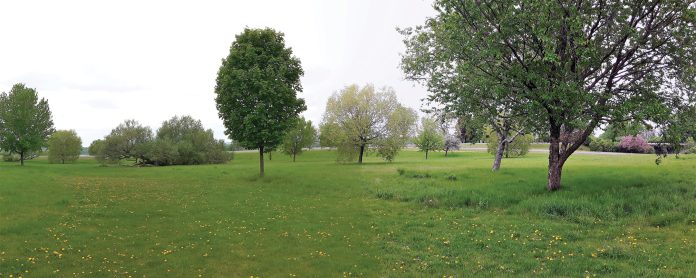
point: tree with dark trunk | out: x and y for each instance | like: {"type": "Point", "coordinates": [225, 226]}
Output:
{"type": "Point", "coordinates": [566, 66]}
{"type": "Point", "coordinates": [25, 121]}
{"type": "Point", "coordinates": [257, 88]}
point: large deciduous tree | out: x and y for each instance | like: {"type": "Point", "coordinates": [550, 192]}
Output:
{"type": "Point", "coordinates": [300, 136]}
{"type": "Point", "coordinates": [567, 66]}
{"type": "Point", "coordinates": [25, 121]}
{"type": "Point", "coordinates": [257, 88]}
{"type": "Point", "coordinates": [362, 117]}
{"type": "Point", "coordinates": [64, 146]}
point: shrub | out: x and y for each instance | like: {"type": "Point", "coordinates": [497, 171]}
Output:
{"type": "Point", "coordinates": [64, 146]}
{"type": "Point", "coordinates": [602, 145]}
{"type": "Point", "coordinates": [635, 144]}
{"type": "Point", "coordinates": [690, 145]}
{"type": "Point", "coordinates": [10, 157]}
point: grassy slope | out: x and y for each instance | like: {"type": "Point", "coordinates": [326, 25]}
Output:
{"type": "Point", "coordinates": [618, 215]}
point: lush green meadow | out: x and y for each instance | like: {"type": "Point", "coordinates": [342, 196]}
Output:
{"type": "Point", "coordinates": [617, 215]}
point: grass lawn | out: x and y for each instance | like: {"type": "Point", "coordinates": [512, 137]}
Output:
{"type": "Point", "coordinates": [615, 216]}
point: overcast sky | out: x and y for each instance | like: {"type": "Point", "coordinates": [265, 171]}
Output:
{"type": "Point", "coordinates": [100, 63]}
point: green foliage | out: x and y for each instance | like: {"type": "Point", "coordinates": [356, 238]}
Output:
{"type": "Point", "coordinates": [469, 129]}
{"type": "Point", "coordinates": [564, 68]}
{"type": "Point", "coordinates": [615, 131]}
{"type": "Point", "coordinates": [179, 141]}
{"type": "Point", "coordinates": [96, 149]}
{"type": "Point", "coordinates": [163, 152]}
{"type": "Point", "coordinates": [517, 148]}
{"type": "Point", "coordinates": [690, 145]}
{"type": "Point", "coordinates": [679, 126]}
{"type": "Point", "coordinates": [330, 135]}
{"type": "Point", "coordinates": [25, 121]}
{"type": "Point", "coordinates": [129, 140]}
{"type": "Point", "coordinates": [300, 136]}
{"type": "Point", "coordinates": [256, 89]}
{"type": "Point", "coordinates": [184, 141]}
{"type": "Point", "coordinates": [603, 145]}
{"type": "Point", "coordinates": [360, 118]}
{"type": "Point", "coordinates": [429, 137]}
{"type": "Point", "coordinates": [399, 129]}
{"type": "Point", "coordinates": [10, 157]}
{"type": "Point", "coordinates": [64, 146]}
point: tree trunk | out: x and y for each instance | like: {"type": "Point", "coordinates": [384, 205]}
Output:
{"type": "Point", "coordinates": [261, 161]}
{"type": "Point", "coordinates": [21, 158]}
{"type": "Point", "coordinates": [293, 157]}
{"type": "Point", "coordinates": [555, 165]}
{"type": "Point", "coordinates": [362, 150]}
{"type": "Point", "coordinates": [426, 154]}
{"type": "Point", "coordinates": [270, 155]}
{"type": "Point", "coordinates": [499, 154]}
{"type": "Point", "coordinates": [446, 153]}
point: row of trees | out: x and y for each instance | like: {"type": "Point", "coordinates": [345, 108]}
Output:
{"type": "Point", "coordinates": [179, 141]}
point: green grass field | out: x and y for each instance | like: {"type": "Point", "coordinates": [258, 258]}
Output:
{"type": "Point", "coordinates": [615, 216]}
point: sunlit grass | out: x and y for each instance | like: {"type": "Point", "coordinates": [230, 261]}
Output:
{"type": "Point", "coordinates": [616, 215]}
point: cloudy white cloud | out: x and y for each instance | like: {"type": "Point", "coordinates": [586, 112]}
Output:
{"type": "Point", "coordinates": [99, 63]}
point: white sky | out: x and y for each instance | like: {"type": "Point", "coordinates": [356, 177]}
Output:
{"type": "Point", "coordinates": [100, 63]}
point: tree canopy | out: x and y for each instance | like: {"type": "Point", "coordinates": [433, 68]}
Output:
{"type": "Point", "coordinates": [256, 88]}
{"type": "Point", "coordinates": [64, 146]}
{"type": "Point", "coordinates": [566, 67]}
{"type": "Point", "coordinates": [358, 118]}
{"type": "Point", "coordinates": [429, 137]}
{"type": "Point", "coordinates": [25, 121]}
{"type": "Point", "coordinates": [300, 136]}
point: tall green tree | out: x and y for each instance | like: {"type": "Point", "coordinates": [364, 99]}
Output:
{"type": "Point", "coordinates": [362, 117]}
{"type": "Point", "coordinates": [25, 121]}
{"type": "Point", "coordinates": [566, 66]}
{"type": "Point", "coordinates": [300, 136]}
{"type": "Point", "coordinates": [64, 146]}
{"type": "Point", "coordinates": [429, 137]}
{"type": "Point", "coordinates": [257, 88]}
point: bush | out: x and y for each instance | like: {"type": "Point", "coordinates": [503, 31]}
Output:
{"type": "Point", "coordinates": [10, 157]}
{"type": "Point", "coordinates": [602, 145]}
{"type": "Point", "coordinates": [635, 144]}
{"type": "Point", "coordinates": [64, 146]}
{"type": "Point", "coordinates": [180, 141]}
{"type": "Point", "coordinates": [690, 146]}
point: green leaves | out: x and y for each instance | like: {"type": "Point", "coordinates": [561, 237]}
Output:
{"type": "Point", "coordinates": [429, 138]}
{"type": "Point", "coordinates": [256, 89]}
{"type": "Point", "coordinates": [362, 117]}
{"type": "Point", "coordinates": [301, 135]}
{"type": "Point", "coordinates": [64, 146]}
{"type": "Point", "coordinates": [25, 121]}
